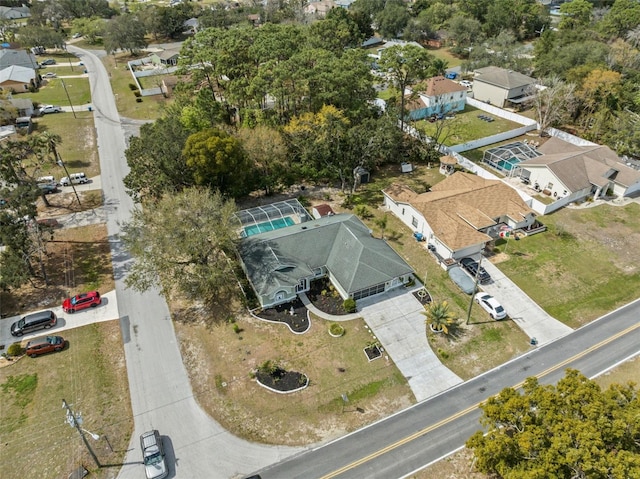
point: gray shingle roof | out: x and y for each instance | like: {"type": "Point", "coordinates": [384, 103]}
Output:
{"type": "Point", "coordinates": [341, 243]}
{"type": "Point", "coordinates": [507, 79]}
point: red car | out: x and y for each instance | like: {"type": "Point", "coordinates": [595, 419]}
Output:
{"type": "Point", "coordinates": [81, 301]}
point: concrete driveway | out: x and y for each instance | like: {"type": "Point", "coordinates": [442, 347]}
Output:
{"type": "Point", "coordinates": [107, 311]}
{"type": "Point", "coordinates": [522, 310]}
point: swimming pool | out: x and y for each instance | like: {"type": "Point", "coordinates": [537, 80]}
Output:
{"type": "Point", "coordinates": [275, 224]}
{"type": "Point", "coordinates": [509, 164]}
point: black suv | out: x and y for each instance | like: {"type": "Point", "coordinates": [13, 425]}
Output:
{"type": "Point", "coordinates": [472, 266]}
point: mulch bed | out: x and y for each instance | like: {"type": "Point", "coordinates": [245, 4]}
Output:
{"type": "Point", "coordinates": [327, 303]}
{"type": "Point", "coordinates": [282, 380]}
{"type": "Point", "coordinates": [298, 321]}
{"type": "Point", "coordinates": [423, 296]}
{"type": "Point", "coordinates": [372, 352]}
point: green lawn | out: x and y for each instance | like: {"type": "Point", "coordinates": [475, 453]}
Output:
{"type": "Point", "coordinates": [149, 108]}
{"type": "Point", "coordinates": [78, 148]}
{"type": "Point", "coordinates": [63, 69]}
{"type": "Point", "coordinates": [444, 54]}
{"type": "Point", "coordinates": [466, 126]}
{"type": "Point", "coordinates": [91, 376]}
{"type": "Point", "coordinates": [583, 267]}
{"type": "Point", "coordinates": [54, 92]}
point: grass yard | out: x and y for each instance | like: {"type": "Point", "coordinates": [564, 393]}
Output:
{"type": "Point", "coordinates": [220, 358]}
{"type": "Point", "coordinates": [90, 375]}
{"type": "Point", "coordinates": [64, 69]}
{"type": "Point", "coordinates": [77, 259]}
{"type": "Point", "coordinates": [585, 265]}
{"type": "Point", "coordinates": [444, 54]}
{"type": "Point", "coordinates": [53, 93]}
{"type": "Point", "coordinates": [149, 108]}
{"type": "Point", "coordinates": [78, 149]}
{"type": "Point", "coordinates": [466, 126]}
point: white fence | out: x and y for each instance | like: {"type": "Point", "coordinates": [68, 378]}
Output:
{"type": "Point", "coordinates": [488, 140]}
{"type": "Point", "coordinates": [507, 115]}
{"type": "Point", "coordinates": [164, 70]}
{"type": "Point", "coordinates": [569, 138]}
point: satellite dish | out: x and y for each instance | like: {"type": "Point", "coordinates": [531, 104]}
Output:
{"type": "Point", "coordinates": [5, 45]}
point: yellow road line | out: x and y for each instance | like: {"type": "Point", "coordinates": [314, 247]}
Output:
{"type": "Point", "coordinates": [459, 414]}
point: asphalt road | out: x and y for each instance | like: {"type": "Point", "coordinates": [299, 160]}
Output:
{"type": "Point", "coordinates": [424, 433]}
{"type": "Point", "coordinates": [161, 395]}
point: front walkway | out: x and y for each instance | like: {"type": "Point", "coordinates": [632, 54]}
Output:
{"type": "Point", "coordinates": [395, 319]}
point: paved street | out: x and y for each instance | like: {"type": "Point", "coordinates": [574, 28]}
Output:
{"type": "Point", "coordinates": [161, 395]}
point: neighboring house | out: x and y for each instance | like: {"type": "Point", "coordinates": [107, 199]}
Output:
{"type": "Point", "coordinates": [392, 43]}
{"type": "Point", "coordinates": [319, 9]}
{"type": "Point", "coordinates": [500, 87]}
{"type": "Point", "coordinates": [23, 105]}
{"type": "Point", "coordinates": [346, 4]}
{"type": "Point", "coordinates": [12, 13]}
{"type": "Point", "coordinates": [319, 211]}
{"type": "Point", "coordinates": [437, 95]}
{"type": "Point", "coordinates": [372, 42]}
{"type": "Point", "coordinates": [18, 79]}
{"type": "Point", "coordinates": [577, 172]}
{"type": "Point", "coordinates": [20, 58]}
{"type": "Point", "coordinates": [460, 215]}
{"type": "Point", "coordinates": [191, 25]}
{"type": "Point", "coordinates": [166, 57]}
{"type": "Point", "coordinates": [282, 263]}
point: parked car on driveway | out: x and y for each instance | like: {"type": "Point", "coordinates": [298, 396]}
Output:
{"type": "Point", "coordinates": [48, 188]}
{"type": "Point", "coordinates": [462, 279]}
{"type": "Point", "coordinates": [48, 61]}
{"type": "Point", "coordinates": [474, 268]}
{"type": "Point", "coordinates": [81, 301]}
{"type": "Point", "coordinates": [466, 83]}
{"type": "Point", "coordinates": [75, 178]}
{"type": "Point", "coordinates": [50, 109]}
{"type": "Point", "coordinates": [491, 306]}
{"type": "Point", "coordinates": [49, 75]}
{"type": "Point", "coordinates": [44, 345]}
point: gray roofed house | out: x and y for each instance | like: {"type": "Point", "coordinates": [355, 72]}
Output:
{"type": "Point", "coordinates": [576, 172]}
{"type": "Point", "coordinates": [500, 87]}
{"type": "Point", "coordinates": [18, 79]}
{"type": "Point", "coordinates": [282, 263]}
{"type": "Point", "coordinates": [20, 58]}
{"type": "Point", "coordinates": [11, 13]}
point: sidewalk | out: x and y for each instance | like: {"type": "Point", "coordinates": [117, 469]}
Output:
{"type": "Point", "coordinates": [395, 319]}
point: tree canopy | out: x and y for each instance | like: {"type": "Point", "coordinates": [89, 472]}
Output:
{"type": "Point", "coordinates": [571, 430]}
{"type": "Point", "coordinates": [184, 243]}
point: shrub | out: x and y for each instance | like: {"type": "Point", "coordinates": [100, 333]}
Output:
{"type": "Point", "coordinates": [15, 350]}
{"type": "Point", "coordinates": [236, 328]}
{"type": "Point", "coordinates": [137, 93]}
{"type": "Point", "coordinates": [133, 86]}
{"type": "Point", "coordinates": [349, 305]}
{"type": "Point", "coordinates": [336, 330]}
{"type": "Point", "coordinates": [304, 201]}
{"type": "Point", "coordinates": [139, 100]}
{"type": "Point", "coordinates": [363, 212]}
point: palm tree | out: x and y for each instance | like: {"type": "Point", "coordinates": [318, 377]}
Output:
{"type": "Point", "coordinates": [439, 318]}
{"type": "Point", "coordinates": [439, 67]}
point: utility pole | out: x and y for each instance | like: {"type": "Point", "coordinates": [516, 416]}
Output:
{"type": "Point", "coordinates": [68, 98]}
{"type": "Point", "coordinates": [75, 422]}
{"type": "Point", "coordinates": [61, 163]}
{"type": "Point", "coordinates": [475, 288]}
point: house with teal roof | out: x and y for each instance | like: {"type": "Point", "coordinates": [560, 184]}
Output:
{"type": "Point", "coordinates": [281, 263]}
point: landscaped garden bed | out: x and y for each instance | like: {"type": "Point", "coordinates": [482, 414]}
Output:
{"type": "Point", "coordinates": [275, 378]}
{"type": "Point", "coordinates": [293, 314]}
{"type": "Point", "coordinates": [325, 297]}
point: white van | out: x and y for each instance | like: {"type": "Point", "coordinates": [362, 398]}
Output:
{"type": "Point", "coordinates": [74, 178]}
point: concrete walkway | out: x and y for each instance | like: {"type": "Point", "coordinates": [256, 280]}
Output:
{"type": "Point", "coordinates": [530, 317]}
{"type": "Point", "coordinates": [395, 319]}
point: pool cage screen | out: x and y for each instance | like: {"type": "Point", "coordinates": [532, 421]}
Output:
{"type": "Point", "coordinates": [273, 214]}
{"type": "Point", "coordinates": [505, 158]}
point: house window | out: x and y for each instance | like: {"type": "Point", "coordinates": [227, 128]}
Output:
{"type": "Point", "coordinates": [402, 211]}
{"type": "Point", "coordinates": [414, 221]}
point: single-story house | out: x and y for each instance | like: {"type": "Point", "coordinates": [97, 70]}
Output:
{"type": "Point", "coordinates": [438, 95]}
{"type": "Point", "coordinates": [565, 170]}
{"type": "Point", "coordinates": [460, 215]}
{"type": "Point", "coordinates": [18, 79]}
{"type": "Point", "coordinates": [191, 25]}
{"type": "Point", "coordinates": [319, 8]}
{"type": "Point", "coordinates": [23, 105]}
{"type": "Point", "coordinates": [22, 58]}
{"type": "Point", "coordinates": [283, 262]}
{"type": "Point", "coordinates": [12, 13]}
{"type": "Point", "coordinates": [346, 4]}
{"type": "Point", "coordinates": [501, 87]}
{"type": "Point", "coordinates": [166, 57]}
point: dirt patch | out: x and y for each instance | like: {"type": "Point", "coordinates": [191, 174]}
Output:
{"type": "Point", "coordinates": [75, 260]}
{"type": "Point", "coordinates": [65, 202]}
{"type": "Point", "coordinates": [221, 362]}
